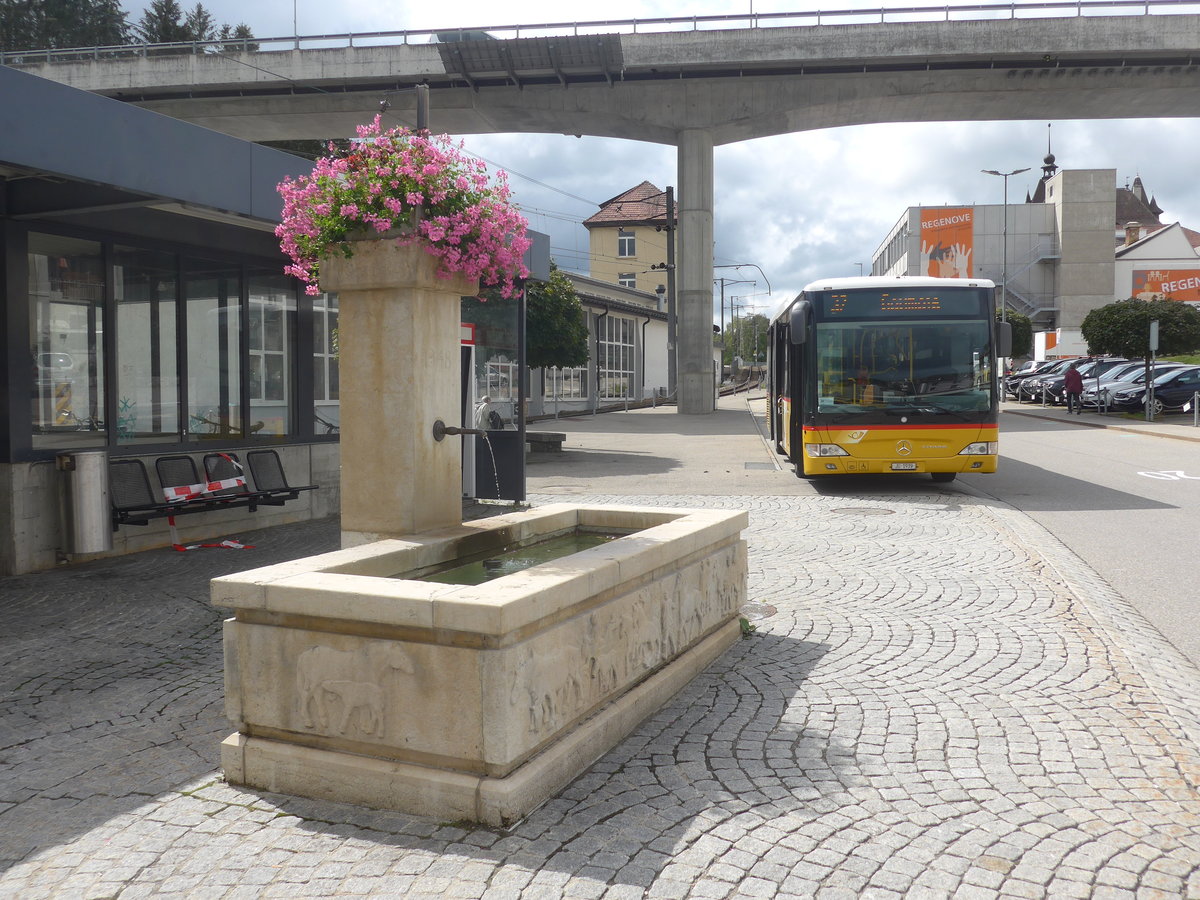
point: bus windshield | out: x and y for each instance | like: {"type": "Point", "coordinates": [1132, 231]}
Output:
{"type": "Point", "coordinates": [915, 367]}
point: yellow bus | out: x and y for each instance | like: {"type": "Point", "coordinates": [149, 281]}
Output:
{"type": "Point", "coordinates": [877, 375]}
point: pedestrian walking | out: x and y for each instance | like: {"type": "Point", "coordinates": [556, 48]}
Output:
{"type": "Point", "coordinates": [1072, 388]}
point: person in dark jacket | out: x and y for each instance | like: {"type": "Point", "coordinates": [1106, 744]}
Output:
{"type": "Point", "coordinates": [1072, 388]}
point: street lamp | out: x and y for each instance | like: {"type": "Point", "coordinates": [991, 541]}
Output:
{"type": "Point", "coordinates": [1004, 276]}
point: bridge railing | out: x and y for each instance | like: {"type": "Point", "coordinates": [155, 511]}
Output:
{"type": "Point", "coordinates": [942, 12]}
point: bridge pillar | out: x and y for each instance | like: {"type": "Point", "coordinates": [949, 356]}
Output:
{"type": "Point", "coordinates": [694, 330]}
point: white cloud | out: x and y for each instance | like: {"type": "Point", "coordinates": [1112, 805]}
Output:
{"type": "Point", "coordinates": [801, 206]}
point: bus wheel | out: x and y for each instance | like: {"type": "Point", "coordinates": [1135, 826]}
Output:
{"type": "Point", "coordinates": [942, 476]}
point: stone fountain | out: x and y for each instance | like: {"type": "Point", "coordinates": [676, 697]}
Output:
{"type": "Point", "coordinates": [350, 676]}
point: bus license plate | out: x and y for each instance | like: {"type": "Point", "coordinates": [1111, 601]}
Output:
{"type": "Point", "coordinates": [903, 467]}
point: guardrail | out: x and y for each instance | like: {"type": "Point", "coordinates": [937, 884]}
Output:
{"type": "Point", "coordinates": [943, 12]}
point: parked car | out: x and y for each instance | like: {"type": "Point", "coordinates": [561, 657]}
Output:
{"type": "Point", "coordinates": [1052, 385]}
{"type": "Point", "coordinates": [1173, 389]}
{"type": "Point", "coordinates": [1031, 387]}
{"type": "Point", "coordinates": [1012, 381]}
{"type": "Point", "coordinates": [1126, 377]}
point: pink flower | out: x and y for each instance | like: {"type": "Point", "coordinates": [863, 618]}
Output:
{"type": "Point", "coordinates": [469, 224]}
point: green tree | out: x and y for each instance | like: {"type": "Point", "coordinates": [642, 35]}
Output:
{"type": "Point", "coordinates": [162, 22]}
{"type": "Point", "coordinates": [555, 331]}
{"type": "Point", "coordinates": [200, 24]}
{"type": "Point", "coordinates": [1022, 333]}
{"type": "Point", "coordinates": [746, 337]}
{"type": "Point", "coordinates": [42, 24]}
{"type": "Point", "coordinates": [236, 38]}
{"type": "Point", "coordinates": [165, 22]}
{"type": "Point", "coordinates": [1123, 328]}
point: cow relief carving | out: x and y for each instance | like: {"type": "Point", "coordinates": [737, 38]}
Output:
{"type": "Point", "coordinates": [334, 695]}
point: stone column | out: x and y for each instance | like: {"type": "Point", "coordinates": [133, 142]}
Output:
{"type": "Point", "coordinates": [694, 334]}
{"type": "Point", "coordinates": [398, 343]}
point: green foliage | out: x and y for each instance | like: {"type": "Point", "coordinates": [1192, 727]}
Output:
{"type": "Point", "coordinates": [162, 22]}
{"type": "Point", "coordinates": [237, 38]}
{"type": "Point", "coordinates": [556, 333]}
{"type": "Point", "coordinates": [165, 22]}
{"type": "Point", "coordinates": [555, 329]}
{"type": "Point", "coordinates": [59, 24]}
{"type": "Point", "coordinates": [1022, 333]}
{"type": "Point", "coordinates": [1123, 328]}
{"type": "Point", "coordinates": [746, 337]}
{"type": "Point", "coordinates": [41, 24]}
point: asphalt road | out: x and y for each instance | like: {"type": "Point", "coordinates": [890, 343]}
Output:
{"type": "Point", "coordinates": [1127, 504]}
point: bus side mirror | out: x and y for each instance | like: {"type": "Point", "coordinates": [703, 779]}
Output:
{"type": "Point", "coordinates": [801, 316]}
{"type": "Point", "coordinates": [1004, 339]}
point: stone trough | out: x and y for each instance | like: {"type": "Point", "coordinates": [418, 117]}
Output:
{"type": "Point", "coordinates": [350, 679]}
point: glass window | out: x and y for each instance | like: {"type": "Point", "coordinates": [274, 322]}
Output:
{"type": "Point", "coordinates": [66, 341]}
{"type": "Point", "coordinates": [145, 283]}
{"type": "Point", "coordinates": [566, 384]}
{"type": "Point", "coordinates": [497, 374]}
{"type": "Point", "coordinates": [212, 293]}
{"type": "Point", "coordinates": [326, 419]}
{"type": "Point", "coordinates": [616, 340]}
{"type": "Point", "coordinates": [271, 318]}
{"type": "Point", "coordinates": [926, 365]}
{"type": "Point", "coordinates": [626, 243]}
{"type": "Point", "coordinates": [627, 279]}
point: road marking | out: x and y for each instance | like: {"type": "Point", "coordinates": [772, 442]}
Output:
{"type": "Point", "coordinates": [1171, 475]}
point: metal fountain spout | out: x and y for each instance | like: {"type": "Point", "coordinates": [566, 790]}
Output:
{"type": "Point", "coordinates": [441, 429]}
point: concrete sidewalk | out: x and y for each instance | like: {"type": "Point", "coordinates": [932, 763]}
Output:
{"type": "Point", "coordinates": [1176, 427]}
{"type": "Point", "coordinates": [940, 700]}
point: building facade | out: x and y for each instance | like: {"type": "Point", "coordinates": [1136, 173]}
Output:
{"type": "Point", "coordinates": [146, 314]}
{"type": "Point", "coordinates": [627, 239]}
{"type": "Point", "coordinates": [1061, 255]}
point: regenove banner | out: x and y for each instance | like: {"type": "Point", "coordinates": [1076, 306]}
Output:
{"type": "Point", "coordinates": [947, 240]}
{"type": "Point", "coordinates": [1171, 284]}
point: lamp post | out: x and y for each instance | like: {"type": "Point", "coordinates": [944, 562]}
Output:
{"type": "Point", "coordinates": [1004, 275]}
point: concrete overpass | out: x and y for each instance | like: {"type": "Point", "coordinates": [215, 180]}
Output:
{"type": "Point", "coordinates": [694, 89]}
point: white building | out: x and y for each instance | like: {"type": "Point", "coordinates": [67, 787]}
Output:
{"type": "Point", "coordinates": [1060, 263]}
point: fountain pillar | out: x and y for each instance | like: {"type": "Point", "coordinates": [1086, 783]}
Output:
{"type": "Point", "coordinates": [398, 343]}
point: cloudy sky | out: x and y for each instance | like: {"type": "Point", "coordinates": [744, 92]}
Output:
{"type": "Point", "coordinates": [800, 206]}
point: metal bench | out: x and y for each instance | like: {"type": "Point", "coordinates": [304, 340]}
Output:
{"type": "Point", "coordinates": [183, 490]}
{"type": "Point", "coordinates": [270, 480]}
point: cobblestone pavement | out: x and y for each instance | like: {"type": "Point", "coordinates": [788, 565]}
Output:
{"type": "Point", "coordinates": [944, 702]}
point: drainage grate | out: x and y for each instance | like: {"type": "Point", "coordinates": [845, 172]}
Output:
{"type": "Point", "coordinates": [864, 511]}
{"type": "Point", "coordinates": [755, 611]}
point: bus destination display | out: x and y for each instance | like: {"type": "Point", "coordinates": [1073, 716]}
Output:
{"type": "Point", "coordinates": [874, 304]}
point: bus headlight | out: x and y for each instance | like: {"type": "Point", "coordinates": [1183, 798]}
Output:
{"type": "Point", "coordinates": [819, 450]}
{"type": "Point", "coordinates": [981, 448]}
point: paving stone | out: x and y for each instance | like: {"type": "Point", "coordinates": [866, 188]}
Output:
{"type": "Point", "coordinates": [946, 703]}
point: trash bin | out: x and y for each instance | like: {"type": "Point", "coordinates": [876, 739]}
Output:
{"type": "Point", "coordinates": [89, 517]}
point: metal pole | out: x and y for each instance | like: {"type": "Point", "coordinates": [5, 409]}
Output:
{"type": "Point", "coordinates": [1004, 275]}
{"type": "Point", "coordinates": [1004, 266]}
{"type": "Point", "coordinates": [671, 320]}
{"type": "Point", "coordinates": [422, 107]}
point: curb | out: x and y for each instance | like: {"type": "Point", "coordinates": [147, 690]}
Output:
{"type": "Point", "coordinates": [1149, 430]}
